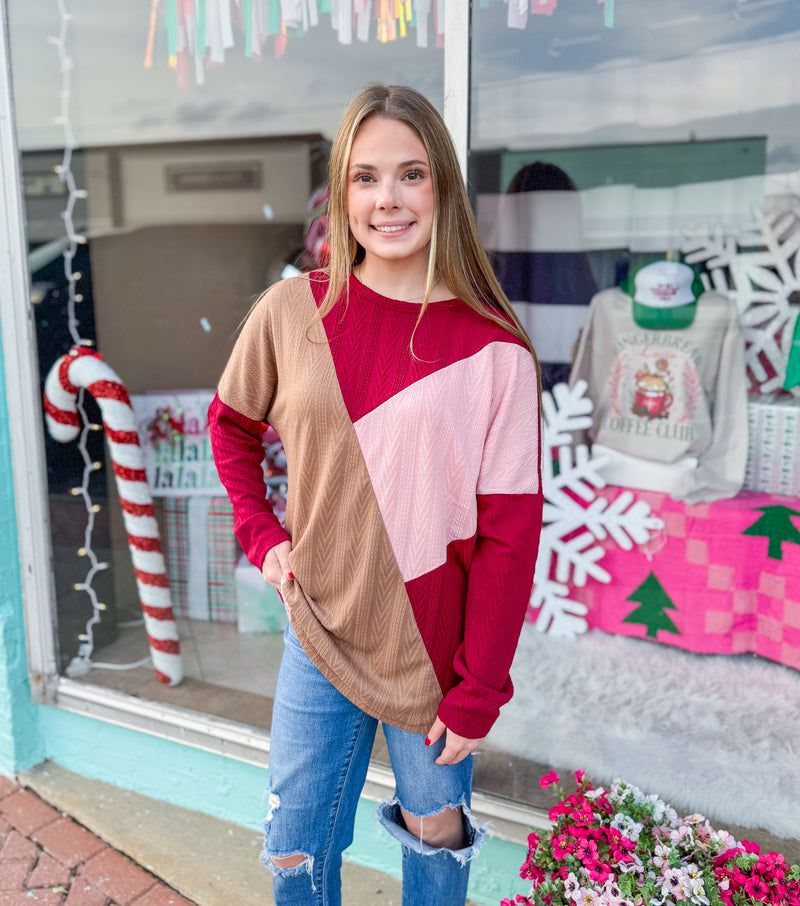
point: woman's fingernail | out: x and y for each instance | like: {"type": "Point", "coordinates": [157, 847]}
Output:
{"type": "Point", "coordinates": [427, 741]}
{"type": "Point", "coordinates": [290, 577]}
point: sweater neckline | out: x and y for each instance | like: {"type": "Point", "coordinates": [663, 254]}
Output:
{"type": "Point", "coordinates": [362, 290]}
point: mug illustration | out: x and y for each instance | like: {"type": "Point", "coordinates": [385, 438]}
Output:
{"type": "Point", "coordinates": [652, 398]}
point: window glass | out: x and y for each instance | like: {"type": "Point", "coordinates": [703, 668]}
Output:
{"type": "Point", "coordinates": [165, 188]}
{"type": "Point", "coordinates": [606, 140]}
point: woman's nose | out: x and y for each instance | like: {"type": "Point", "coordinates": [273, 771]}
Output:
{"type": "Point", "coordinates": [388, 196]}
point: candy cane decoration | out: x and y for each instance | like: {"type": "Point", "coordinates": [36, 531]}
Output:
{"type": "Point", "coordinates": [84, 368]}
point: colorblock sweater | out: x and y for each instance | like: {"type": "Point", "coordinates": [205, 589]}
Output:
{"type": "Point", "coordinates": [414, 503]}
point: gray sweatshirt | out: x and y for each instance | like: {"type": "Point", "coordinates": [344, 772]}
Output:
{"type": "Point", "coordinates": [670, 406]}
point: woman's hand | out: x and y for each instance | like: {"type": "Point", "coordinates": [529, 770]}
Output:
{"type": "Point", "coordinates": [456, 747]}
{"type": "Point", "coordinates": [275, 568]}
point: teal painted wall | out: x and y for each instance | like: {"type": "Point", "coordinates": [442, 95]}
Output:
{"type": "Point", "coordinates": [20, 741]}
{"type": "Point", "coordinates": [232, 790]}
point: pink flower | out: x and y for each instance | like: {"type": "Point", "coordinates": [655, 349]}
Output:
{"type": "Point", "coordinates": [532, 871]}
{"type": "Point", "coordinates": [586, 850]}
{"type": "Point", "coordinates": [750, 847]}
{"type": "Point", "coordinates": [780, 893]}
{"type": "Point", "coordinates": [562, 846]}
{"type": "Point", "coordinates": [600, 872]}
{"type": "Point", "coordinates": [536, 875]}
{"type": "Point", "coordinates": [549, 778]}
{"type": "Point", "coordinates": [757, 888]}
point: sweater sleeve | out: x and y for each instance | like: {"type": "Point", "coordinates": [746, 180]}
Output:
{"type": "Point", "coordinates": [238, 454]}
{"type": "Point", "coordinates": [504, 559]}
{"type": "Point", "coordinates": [235, 419]}
{"type": "Point", "coordinates": [721, 468]}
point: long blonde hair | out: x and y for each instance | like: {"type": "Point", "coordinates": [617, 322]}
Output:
{"type": "Point", "coordinates": [456, 256]}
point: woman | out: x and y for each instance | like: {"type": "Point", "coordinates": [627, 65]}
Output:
{"type": "Point", "coordinates": [406, 395]}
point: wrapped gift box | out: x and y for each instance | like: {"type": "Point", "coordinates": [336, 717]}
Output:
{"type": "Point", "coordinates": [773, 456]}
{"type": "Point", "coordinates": [202, 553]}
{"type": "Point", "coordinates": [722, 578]}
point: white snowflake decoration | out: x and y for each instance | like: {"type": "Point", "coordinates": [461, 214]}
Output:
{"type": "Point", "coordinates": [566, 553]}
{"type": "Point", "coordinates": [760, 269]}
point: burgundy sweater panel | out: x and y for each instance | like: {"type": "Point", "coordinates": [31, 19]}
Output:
{"type": "Point", "coordinates": [238, 453]}
{"type": "Point", "coordinates": [441, 624]}
{"type": "Point", "coordinates": [370, 338]}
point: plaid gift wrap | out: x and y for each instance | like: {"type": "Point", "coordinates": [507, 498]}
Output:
{"type": "Point", "coordinates": [202, 554]}
{"type": "Point", "coordinates": [773, 463]}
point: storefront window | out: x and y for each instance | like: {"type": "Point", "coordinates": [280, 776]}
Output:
{"type": "Point", "coordinates": [165, 188]}
{"type": "Point", "coordinates": [636, 176]}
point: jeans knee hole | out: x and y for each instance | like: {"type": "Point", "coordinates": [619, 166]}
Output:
{"type": "Point", "coordinates": [289, 861]}
{"type": "Point", "coordinates": [442, 830]}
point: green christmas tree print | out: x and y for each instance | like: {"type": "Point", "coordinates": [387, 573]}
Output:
{"type": "Point", "coordinates": [654, 602]}
{"type": "Point", "coordinates": [776, 524]}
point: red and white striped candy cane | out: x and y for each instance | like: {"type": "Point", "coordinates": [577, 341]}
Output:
{"type": "Point", "coordinates": [84, 368]}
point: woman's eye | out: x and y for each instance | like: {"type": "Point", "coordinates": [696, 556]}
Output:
{"type": "Point", "coordinates": [362, 177]}
{"type": "Point", "coordinates": [415, 175]}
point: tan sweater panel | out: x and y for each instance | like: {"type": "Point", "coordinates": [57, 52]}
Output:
{"type": "Point", "coordinates": [348, 603]}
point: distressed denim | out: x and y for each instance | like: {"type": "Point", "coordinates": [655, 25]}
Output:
{"type": "Point", "coordinates": [320, 748]}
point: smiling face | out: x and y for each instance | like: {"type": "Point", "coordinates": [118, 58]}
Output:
{"type": "Point", "coordinates": [390, 203]}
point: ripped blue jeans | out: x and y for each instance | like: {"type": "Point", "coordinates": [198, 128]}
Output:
{"type": "Point", "coordinates": [320, 748]}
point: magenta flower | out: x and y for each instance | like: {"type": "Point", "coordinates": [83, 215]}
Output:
{"type": "Point", "coordinates": [586, 850]}
{"type": "Point", "coordinates": [562, 846]}
{"type": "Point", "coordinates": [757, 888]}
{"type": "Point", "coordinates": [549, 778]}
{"type": "Point", "coordinates": [780, 893]}
{"type": "Point", "coordinates": [600, 872]}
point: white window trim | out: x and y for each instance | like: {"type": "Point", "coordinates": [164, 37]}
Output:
{"type": "Point", "coordinates": [24, 402]}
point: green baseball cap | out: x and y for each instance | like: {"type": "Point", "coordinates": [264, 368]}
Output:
{"type": "Point", "coordinates": [664, 295]}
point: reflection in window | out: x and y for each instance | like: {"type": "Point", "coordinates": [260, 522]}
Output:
{"type": "Point", "coordinates": [673, 135]}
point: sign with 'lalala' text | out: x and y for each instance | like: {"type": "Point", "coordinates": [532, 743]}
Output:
{"type": "Point", "coordinates": [173, 432]}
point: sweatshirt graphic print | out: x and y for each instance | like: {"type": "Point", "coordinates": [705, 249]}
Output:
{"type": "Point", "coordinates": [414, 504]}
{"type": "Point", "coordinates": [670, 405]}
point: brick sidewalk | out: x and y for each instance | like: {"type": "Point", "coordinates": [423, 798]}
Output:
{"type": "Point", "coordinates": [48, 859]}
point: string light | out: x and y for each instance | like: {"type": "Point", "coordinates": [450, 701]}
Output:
{"type": "Point", "coordinates": [82, 662]}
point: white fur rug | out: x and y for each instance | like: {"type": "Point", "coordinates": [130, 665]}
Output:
{"type": "Point", "coordinates": [713, 734]}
